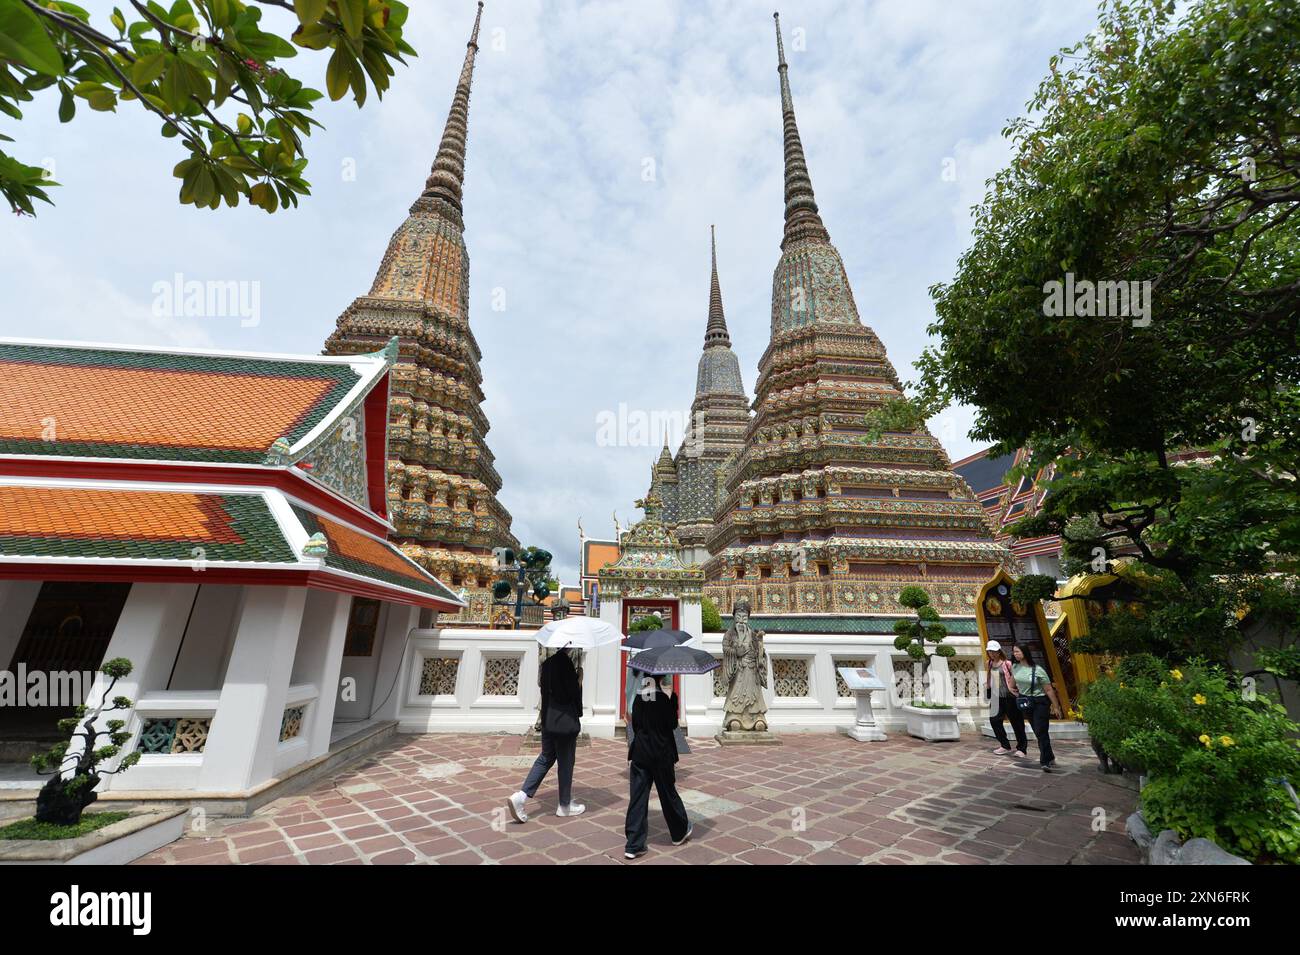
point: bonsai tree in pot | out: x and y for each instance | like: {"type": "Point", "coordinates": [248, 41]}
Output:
{"type": "Point", "coordinates": [63, 799]}
{"type": "Point", "coordinates": [926, 718]}
{"type": "Point", "coordinates": [913, 635]}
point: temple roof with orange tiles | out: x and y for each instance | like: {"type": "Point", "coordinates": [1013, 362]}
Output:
{"type": "Point", "coordinates": [154, 464]}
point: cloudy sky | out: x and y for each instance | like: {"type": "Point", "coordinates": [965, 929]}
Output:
{"type": "Point", "coordinates": [604, 139]}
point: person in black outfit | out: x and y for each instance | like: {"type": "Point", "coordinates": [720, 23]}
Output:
{"type": "Point", "coordinates": [561, 712]}
{"type": "Point", "coordinates": [651, 757]}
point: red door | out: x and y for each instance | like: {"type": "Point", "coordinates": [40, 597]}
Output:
{"type": "Point", "coordinates": [634, 610]}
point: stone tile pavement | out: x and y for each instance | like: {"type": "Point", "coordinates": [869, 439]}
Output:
{"type": "Point", "coordinates": [819, 798]}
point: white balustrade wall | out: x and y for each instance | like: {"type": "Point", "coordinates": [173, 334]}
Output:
{"type": "Point", "coordinates": [458, 681]}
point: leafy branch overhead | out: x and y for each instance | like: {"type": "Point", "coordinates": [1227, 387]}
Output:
{"type": "Point", "coordinates": [207, 70]}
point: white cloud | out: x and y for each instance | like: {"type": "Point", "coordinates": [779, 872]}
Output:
{"type": "Point", "coordinates": [606, 275]}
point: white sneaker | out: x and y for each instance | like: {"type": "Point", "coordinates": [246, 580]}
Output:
{"type": "Point", "coordinates": [689, 829]}
{"type": "Point", "coordinates": [572, 809]}
{"type": "Point", "coordinates": [1001, 751]}
{"type": "Point", "coordinates": [516, 806]}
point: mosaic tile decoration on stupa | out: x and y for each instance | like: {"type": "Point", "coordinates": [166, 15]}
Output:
{"type": "Point", "coordinates": [352, 552]}
{"type": "Point", "coordinates": [99, 402]}
{"type": "Point", "coordinates": [123, 523]}
{"type": "Point", "coordinates": [824, 522]}
{"type": "Point", "coordinates": [442, 484]}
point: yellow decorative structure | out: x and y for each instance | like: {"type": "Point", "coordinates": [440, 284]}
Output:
{"type": "Point", "coordinates": [999, 617]}
{"type": "Point", "coordinates": [1075, 614]}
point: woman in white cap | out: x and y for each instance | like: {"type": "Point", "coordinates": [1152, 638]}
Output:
{"type": "Point", "coordinates": [1001, 686]}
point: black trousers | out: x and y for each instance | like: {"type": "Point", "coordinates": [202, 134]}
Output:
{"type": "Point", "coordinates": [1040, 718]}
{"type": "Point", "coordinates": [561, 749]}
{"type": "Point", "coordinates": [638, 806]}
{"type": "Point", "coordinates": [1005, 706]}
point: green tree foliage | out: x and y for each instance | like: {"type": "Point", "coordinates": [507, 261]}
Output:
{"type": "Point", "coordinates": [62, 800]}
{"type": "Point", "coordinates": [912, 635]}
{"type": "Point", "coordinates": [208, 71]}
{"type": "Point", "coordinates": [1165, 149]}
{"type": "Point", "coordinates": [710, 619]}
{"type": "Point", "coordinates": [650, 622]}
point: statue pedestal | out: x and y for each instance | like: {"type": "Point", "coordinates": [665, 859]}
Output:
{"type": "Point", "coordinates": [532, 740]}
{"type": "Point", "coordinates": [747, 738]}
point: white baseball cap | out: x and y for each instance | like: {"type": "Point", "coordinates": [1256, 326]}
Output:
{"type": "Point", "coordinates": [993, 646]}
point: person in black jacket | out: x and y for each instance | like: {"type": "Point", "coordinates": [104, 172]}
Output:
{"type": "Point", "coordinates": [561, 712]}
{"type": "Point", "coordinates": [651, 756]}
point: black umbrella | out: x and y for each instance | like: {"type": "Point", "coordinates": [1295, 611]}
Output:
{"type": "Point", "coordinates": [647, 639]}
{"type": "Point", "coordinates": [661, 661]}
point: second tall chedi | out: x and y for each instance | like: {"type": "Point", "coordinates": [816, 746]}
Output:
{"type": "Point", "coordinates": [817, 521]}
{"type": "Point", "coordinates": [442, 485]}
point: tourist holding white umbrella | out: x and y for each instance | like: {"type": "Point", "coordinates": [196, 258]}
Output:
{"type": "Point", "coordinates": [561, 709]}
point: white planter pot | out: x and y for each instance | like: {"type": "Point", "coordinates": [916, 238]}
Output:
{"type": "Point", "coordinates": [931, 724]}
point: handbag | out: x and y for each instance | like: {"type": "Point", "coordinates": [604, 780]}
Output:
{"type": "Point", "coordinates": [560, 722]}
{"type": "Point", "coordinates": [1026, 703]}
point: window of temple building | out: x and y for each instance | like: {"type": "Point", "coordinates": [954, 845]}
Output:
{"type": "Point", "coordinates": [363, 620]}
{"type": "Point", "coordinates": [765, 571]}
{"type": "Point", "coordinates": [824, 570]}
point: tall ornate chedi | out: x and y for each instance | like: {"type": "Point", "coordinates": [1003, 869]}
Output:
{"type": "Point", "coordinates": [817, 520]}
{"type": "Point", "coordinates": [442, 485]}
{"type": "Point", "coordinates": [689, 484]}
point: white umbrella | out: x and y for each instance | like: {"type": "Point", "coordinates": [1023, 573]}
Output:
{"type": "Point", "coordinates": [581, 633]}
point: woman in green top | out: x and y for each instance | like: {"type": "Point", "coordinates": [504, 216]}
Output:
{"type": "Point", "coordinates": [1033, 682]}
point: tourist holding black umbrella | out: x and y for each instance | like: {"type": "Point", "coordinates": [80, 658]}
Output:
{"type": "Point", "coordinates": [647, 640]}
{"type": "Point", "coordinates": [653, 751]}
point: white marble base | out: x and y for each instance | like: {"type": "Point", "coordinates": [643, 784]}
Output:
{"type": "Point", "coordinates": [866, 734]}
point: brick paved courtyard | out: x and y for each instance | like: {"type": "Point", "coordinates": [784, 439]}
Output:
{"type": "Point", "coordinates": [819, 798]}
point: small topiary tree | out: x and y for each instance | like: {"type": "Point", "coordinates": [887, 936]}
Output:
{"type": "Point", "coordinates": [912, 635]}
{"type": "Point", "coordinates": [652, 622]}
{"type": "Point", "coordinates": [710, 619]}
{"type": "Point", "coordinates": [62, 800]}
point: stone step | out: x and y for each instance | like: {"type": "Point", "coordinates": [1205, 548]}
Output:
{"type": "Point", "coordinates": [22, 750]}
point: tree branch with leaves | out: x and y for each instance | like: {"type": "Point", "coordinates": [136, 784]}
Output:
{"type": "Point", "coordinates": [209, 72]}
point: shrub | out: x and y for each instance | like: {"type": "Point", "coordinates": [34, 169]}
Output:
{"type": "Point", "coordinates": [652, 622]}
{"type": "Point", "coordinates": [711, 620]}
{"type": "Point", "coordinates": [1213, 754]}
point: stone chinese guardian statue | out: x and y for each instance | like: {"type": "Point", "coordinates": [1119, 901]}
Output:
{"type": "Point", "coordinates": [744, 662]}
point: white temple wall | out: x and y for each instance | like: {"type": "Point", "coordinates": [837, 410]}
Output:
{"type": "Point", "coordinates": [448, 695]}
{"type": "Point", "coordinates": [316, 668]}
{"type": "Point", "coordinates": [148, 633]}
{"type": "Point", "coordinates": [468, 681]}
{"type": "Point", "coordinates": [396, 628]}
{"type": "Point", "coordinates": [802, 695]}
{"type": "Point", "coordinates": [208, 638]}
{"type": "Point", "coordinates": [243, 746]}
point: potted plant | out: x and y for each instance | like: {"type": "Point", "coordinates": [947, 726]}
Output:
{"type": "Point", "coordinates": [927, 718]}
{"type": "Point", "coordinates": [74, 776]}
